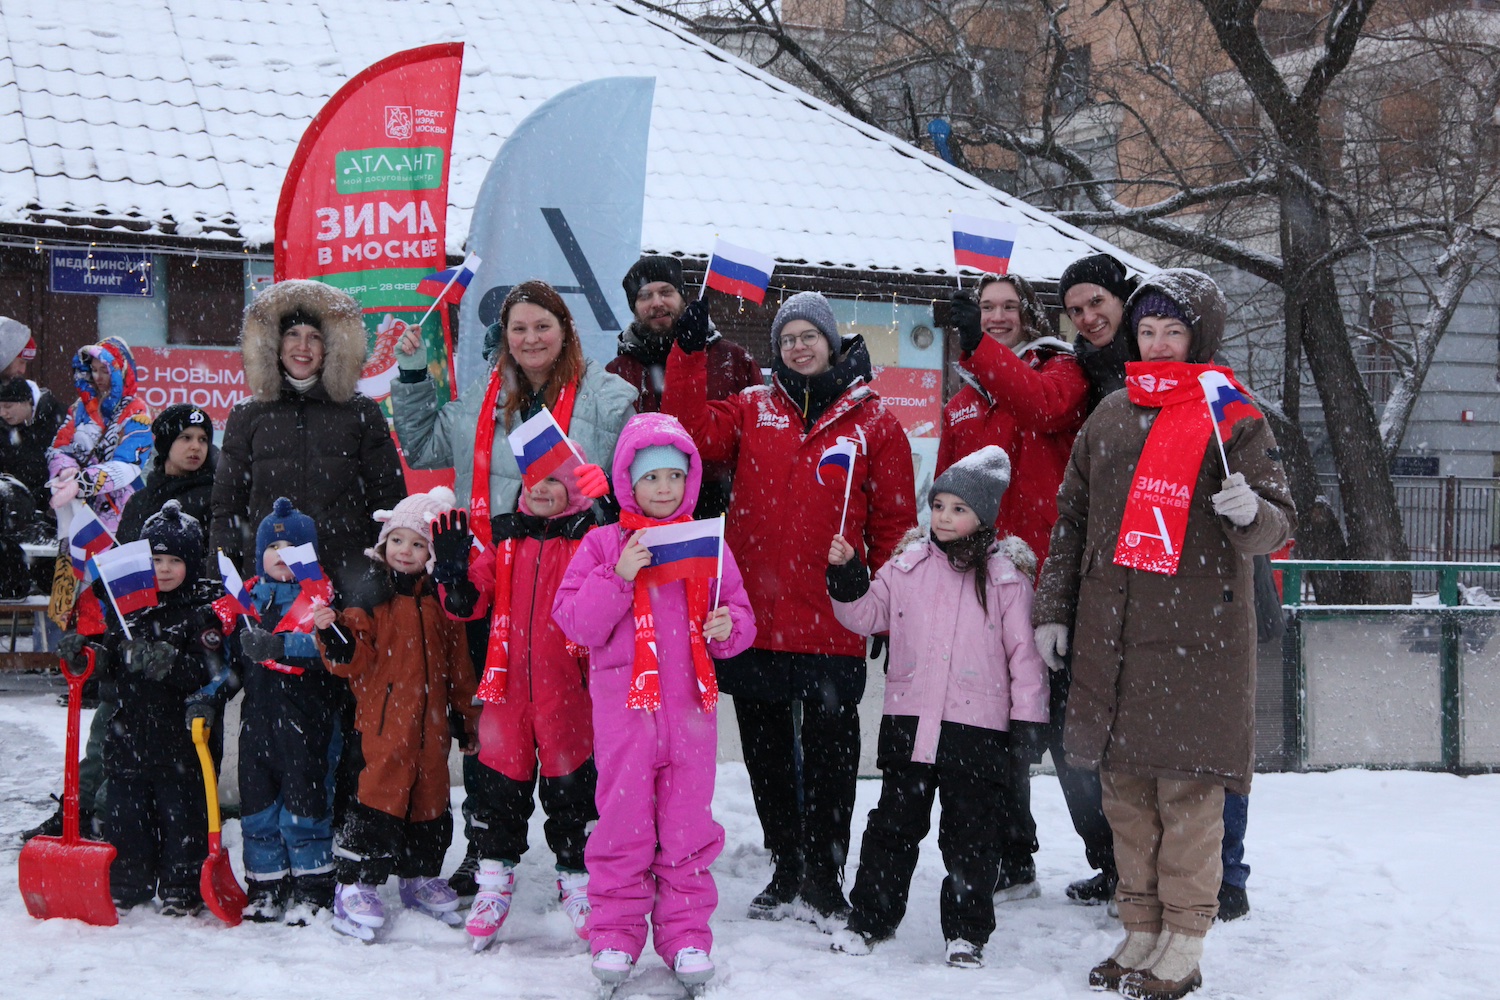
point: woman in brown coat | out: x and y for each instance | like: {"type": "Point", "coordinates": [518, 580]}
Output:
{"type": "Point", "coordinates": [1150, 573]}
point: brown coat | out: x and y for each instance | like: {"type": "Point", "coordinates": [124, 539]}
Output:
{"type": "Point", "coordinates": [410, 667]}
{"type": "Point", "coordinates": [1163, 666]}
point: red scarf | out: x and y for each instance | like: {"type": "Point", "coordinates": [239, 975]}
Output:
{"type": "Point", "coordinates": [1161, 492]}
{"type": "Point", "coordinates": [645, 682]}
{"type": "Point", "coordinates": [492, 685]}
{"type": "Point", "coordinates": [484, 443]}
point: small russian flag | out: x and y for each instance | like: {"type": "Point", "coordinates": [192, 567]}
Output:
{"type": "Point", "coordinates": [238, 597]}
{"type": "Point", "coordinates": [87, 537]}
{"type": "Point", "coordinates": [450, 284]}
{"type": "Point", "coordinates": [316, 591]}
{"type": "Point", "coordinates": [541, 448]}
{"type": "Point", "coordinates": [838, 456]}
{"type": "Point", "coordinates": [302, 560]}
{"type": "Point", "coordinates": [983, 244]}
{"type": "Point", "coordinates": [1226, 403]}
{"type": "Point", "coordinates": [738, 271]}
{"type": "Point", "coordinates": [128, 575]}
{"type": "Point", "coordinates": [682, 551]}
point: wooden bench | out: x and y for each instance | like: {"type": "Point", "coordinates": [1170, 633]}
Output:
{"type": "Point", "coordinates": [12, 616]}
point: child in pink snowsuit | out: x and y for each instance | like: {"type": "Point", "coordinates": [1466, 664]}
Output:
{"type": "Point", "coordinates": [656, 837]}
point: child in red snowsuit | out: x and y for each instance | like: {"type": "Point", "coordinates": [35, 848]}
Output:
{"type": "Point", "coordinates": [537, 715]}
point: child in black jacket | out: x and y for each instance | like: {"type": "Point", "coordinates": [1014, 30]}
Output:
{"type": "Point", "coordinates": [171, 671]}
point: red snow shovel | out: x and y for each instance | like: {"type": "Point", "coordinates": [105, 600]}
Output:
{"type": "Point", "coordinates": [67, 876]}
{"type": "Point", "coordinates": [220, 889]}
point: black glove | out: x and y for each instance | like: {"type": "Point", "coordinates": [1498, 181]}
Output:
{"type": "Point", "coordinates": [1028, 740]}
{"type": "Point", "coordinates": [71, 647]}
{"type": "Point", "coordinates": [693, 327]}
{"type": "Point", "coordinates": [199, 708]}
{"type": "Point", "coordinates": [459, 730]}
{"type": "Point", "coordinates": [880, 649]}
{"type": "Point", "coordinates": [848, 582]}
{"type": "Point", "coordinates": [450, 544]}
{"type": "Point", "coordinates": [337, 643]}
{"type": "Point", "coordinates": [260, 645]}
{"type": "Point", "coordinates": [965, 309]}
{"type": "Point", "coordinates": [152, 658]}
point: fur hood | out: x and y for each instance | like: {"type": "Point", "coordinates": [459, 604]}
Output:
{"type": "Point", "coordinates": [918, 539]}
{"type": "Point", "coordinates": [344, 339]}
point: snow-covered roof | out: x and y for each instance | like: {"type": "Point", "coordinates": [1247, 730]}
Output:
{"type": "Point", "coordinates": [184, 114]}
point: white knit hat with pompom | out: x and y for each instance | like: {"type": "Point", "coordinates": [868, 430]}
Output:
{"type": "Point", "coordinates": [415, 513]}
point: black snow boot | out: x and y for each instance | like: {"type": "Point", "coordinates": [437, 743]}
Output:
{"type": "Point", "coordinates": [1094, 891]}
{"type": "Point", "coordinates": [1233, 902]}
{"type": "Point", "coordinates": [462, 879]}
{"type": "Point", "coordinates": [775, 900]}
{"type": "Point", "coordinates": [823, 901]}
{"type": "Point", "coordinates": [263, 903]}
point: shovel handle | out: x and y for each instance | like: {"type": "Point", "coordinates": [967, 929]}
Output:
{"type": "Point", "coordinates": [210, 783]}
{"type": "Point", "coordinates": [70, 764]}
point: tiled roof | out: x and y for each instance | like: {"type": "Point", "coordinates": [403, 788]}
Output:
{"type": "Point", "coordinates": [183, 115]}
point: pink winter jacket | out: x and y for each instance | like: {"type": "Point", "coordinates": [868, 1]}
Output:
{"type": "Point", "coordinates": [951, 661]}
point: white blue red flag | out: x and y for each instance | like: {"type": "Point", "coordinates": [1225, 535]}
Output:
{"type": "Point", "coordinates": [302, 560]}
{"type": "Point", "coordinates": [838, 456]}
{"type": "Point", "coordinates": [237, 596]}
{"type": "Point", "coordinates": [1226, 403]}
{"type": "Point", "coordinates": [983, 244]}
{"type": "Point", "coordinates": [87, 537]}
{"type": "Point", "coordinates": [682, 551]}
{"type": "Point", "coordinates": [128, 575]}
{"type": "Point", "coordinates": [541, 449]}
{"type": "Point", "coordinates": [739, 271]}
{"type": "Point", "coordinates": [449, 285]}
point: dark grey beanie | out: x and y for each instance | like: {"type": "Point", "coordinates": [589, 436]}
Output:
{"type": "Point", "coordinates": [979, 480]}
{"type": "Point", "coordinates": [814, 308]}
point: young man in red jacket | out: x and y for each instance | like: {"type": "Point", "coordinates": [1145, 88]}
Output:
{"type": "Point", "coordinates": [1025, 392]}
{"type": "Point", "coordinates": [654, 289]}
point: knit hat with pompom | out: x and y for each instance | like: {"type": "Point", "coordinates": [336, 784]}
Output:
{"type": "Point", "coordinates": [415, 513]}
{"type": "Point", "coordinates": [173, 533]}
{"type": "Point", "coordinates": [979, 479]}
{"type": "Point", "coordinates": [287, 524]}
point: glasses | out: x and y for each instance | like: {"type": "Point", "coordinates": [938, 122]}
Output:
{"type": "Point", "coordinates": [807, 339]}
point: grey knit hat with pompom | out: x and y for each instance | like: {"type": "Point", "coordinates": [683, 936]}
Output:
{"type": "Point", "coordinates": [979, 480]}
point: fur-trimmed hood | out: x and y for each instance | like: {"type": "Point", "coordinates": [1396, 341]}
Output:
{"type": "Point", "coordinates": [344, 340]}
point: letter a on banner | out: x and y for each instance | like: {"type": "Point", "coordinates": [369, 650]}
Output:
{"type": "Point", "coordinates": [365, 203]}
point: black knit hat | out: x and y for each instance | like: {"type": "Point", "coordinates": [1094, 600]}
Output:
{"type": "Point", "coordinates": [173, 533]}
{"type": "Point", "coordinates": [1099, 269]}
{"type": "Point", "coordinates": [15, 390]}
{"type": "Point", "coordinates": [652, 267]}
{"type": "Point", "coordinates": [979, 479]}
{"type": "Point", "coordinates": [300, 317]}
{"type": "Point", "coordinates": [173, 421]}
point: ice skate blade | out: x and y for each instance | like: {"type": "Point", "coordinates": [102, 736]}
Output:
{"type": "Point", "coordinates": [359, 931]}
{"type": "Point", "coordinates": [480, 943]}
{"type": "Point", "coordinates": [449, 917]}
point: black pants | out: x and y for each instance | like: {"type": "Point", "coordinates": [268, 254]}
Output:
{"type": "Point", "coordinates": [372, 845]}
{"type": "Point", "coordinates": [1080, 788]}
{"type": "Point", "coordinates": [1017, 829]}
{"type": "Point", "coordinates": [970, 789]}
{"type": "Point", "coordinates": [806, 820]}
{"type": "Point", "coordinates": [158, 824]}
{"type": "Point", "coordinates": [497, 809]}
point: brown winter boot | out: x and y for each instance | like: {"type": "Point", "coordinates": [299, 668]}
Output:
{"type": "Point", "coordinates": [1172, 974]}
{"type": "Point", "coordinates": [1128, 957]}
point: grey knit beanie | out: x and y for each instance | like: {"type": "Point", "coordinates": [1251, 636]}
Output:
{"type": "Point", "coordinates": [15, 338]}
{"type": "Point", "coordinates": [814, 308]}
{"type": "Point", "coordinates": [979, 480]}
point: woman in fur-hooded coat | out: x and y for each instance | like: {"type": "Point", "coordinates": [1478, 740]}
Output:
{"type": "Point", "coordinates": [316, 440]}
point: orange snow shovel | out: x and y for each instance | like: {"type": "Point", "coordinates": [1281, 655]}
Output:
{"type": "Point", "coordinates": [67, 876]}
{"type": "Point", "coordinates": [220, 889]}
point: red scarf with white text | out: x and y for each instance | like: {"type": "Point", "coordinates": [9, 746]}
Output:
{"type": "Point", "coordinates": [484, 443]}
{"type": "Point", "coordinates": [1161, 490]}
{"type": "Point", "coordinates": [645, 682]}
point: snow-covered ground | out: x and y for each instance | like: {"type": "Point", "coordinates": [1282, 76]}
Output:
{"type": "Point", "coordinates": [1366, 884]}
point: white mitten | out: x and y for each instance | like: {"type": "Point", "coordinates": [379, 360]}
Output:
{"type": "Point", "coordinates": [1052, 643]}
{"type": "Point", "coordinates": [64, 488]}
{"type": "Point", "coordinates": [1237, 501]}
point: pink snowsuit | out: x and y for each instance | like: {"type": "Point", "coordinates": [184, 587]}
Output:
{"type": "Point", "coordinates": [656, 837]}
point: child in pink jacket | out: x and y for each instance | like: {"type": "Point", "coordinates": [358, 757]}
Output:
{"type": "Point", "coordinates": [965, 678]}
{"type": "Point", "coordinates": [655, 727]}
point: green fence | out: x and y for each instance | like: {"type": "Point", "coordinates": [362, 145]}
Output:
{"type": "Point", "coordinates": [1413, 686]}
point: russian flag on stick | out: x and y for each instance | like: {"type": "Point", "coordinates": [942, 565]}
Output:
{"type": "Point", "coordinates": [739, 271]}
{"type": "Point", "coordinates": [237, 598]}
{"type": "Point", "coordinates": [1227, 406]}
{"type": "Point", "coordinates": [129, 577]}
{"type": "Point", "coordinates": [541, 449]}
{"type": "Point", "coordinates": [683, 551]}
{"type": "Point", "coordinates": [983, 244]}
{"type": "Point", "coordinates": [302, 560]}
{"type": "Point", "coordinates": [838, 456]}
{"type": "Point", "coordinates": [450, 284]}
{"type": "Point", "coordinates": [87, 537]}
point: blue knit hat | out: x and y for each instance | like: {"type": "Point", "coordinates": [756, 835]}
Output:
{"type": "Point", "coordinates": [285, 523]}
